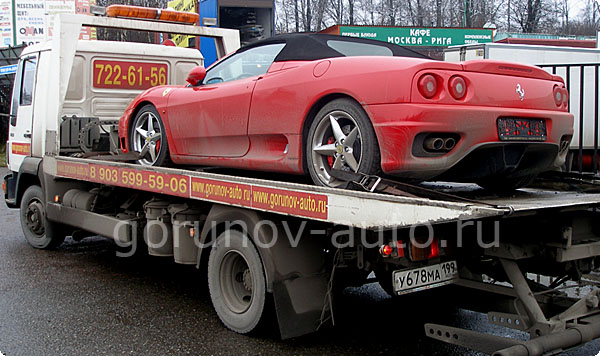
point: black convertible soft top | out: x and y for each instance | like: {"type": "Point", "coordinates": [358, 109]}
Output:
{"type": "Point", "coordinates": [314, 46]}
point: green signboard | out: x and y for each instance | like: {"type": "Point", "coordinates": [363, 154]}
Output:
{"type": "Point", "coordinates": [414, 36]}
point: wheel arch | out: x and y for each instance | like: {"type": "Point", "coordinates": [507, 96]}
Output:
{"type": "Point", "coordinates": [311, 116]}
{"type": "Point", "coordinates": [129, 122]}
{"type": "Point", "coordinates": [29, 174]}
{"type": "Point", "coordinates": [134, 113]}
{"type": "Point", "coordinates": [219, 219]}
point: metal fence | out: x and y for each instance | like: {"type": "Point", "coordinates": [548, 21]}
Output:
{"type": "Point", "coordinates": [582, 81]}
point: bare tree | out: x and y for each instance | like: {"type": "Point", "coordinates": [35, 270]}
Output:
{"type": "Point", "coordinates": [419, 13]}
{"type": "Point", "coordinates": [588, 20]}
{"type": "Point", "coordinates": [528, 14]}
{"type": "Point", "coordinates": [351, 12]}
{"type": "Point", "coordinates": [565, 15]}
{"type": "Point", "coordinates": [391, 13]}
{"type": "Point", "coordinates": [307, 15]}
{"type": "Point", "coordinates": [548, 16]}
{"type": "Point", "coordinates": [297, 14]}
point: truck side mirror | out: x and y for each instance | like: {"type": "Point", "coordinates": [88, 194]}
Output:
{"type": "Point", "coordinates": [196, 75]}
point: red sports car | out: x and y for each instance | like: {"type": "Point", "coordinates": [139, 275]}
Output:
{"type": "Point", "coordinates": [310, 103]}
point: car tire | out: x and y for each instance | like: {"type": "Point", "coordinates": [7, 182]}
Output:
{"type": "Point", "coordinates": [327, 146]}
{"type": "Point", "coordinates": [147, 136]}
{"type": "Point", "coordinates": [506, 185]}
{"type": "Point", "coordinates": [39, 232]}
{"type": "Point", "coordinates": [237, 283]}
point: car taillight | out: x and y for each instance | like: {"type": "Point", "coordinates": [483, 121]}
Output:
{"type": "Point", "coordinates": [457, 87]}
{"type": "Point", "coordinates": [566, 98]}
{"type": "Point", "coordinates": [558, 95]}
{"type": "Point", "coordinates": [428, 86]}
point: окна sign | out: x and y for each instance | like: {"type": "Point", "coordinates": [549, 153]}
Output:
{"type": "Point", "coordinates": [430, 37]}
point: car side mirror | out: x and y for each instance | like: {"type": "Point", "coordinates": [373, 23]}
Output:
{"type": "Point", "coordinates": [196, 75]}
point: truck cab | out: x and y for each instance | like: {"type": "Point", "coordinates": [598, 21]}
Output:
{"type": "Point", "coordinates": [64, 84]}
{"type": "Point", "coordinates": [105, 77]}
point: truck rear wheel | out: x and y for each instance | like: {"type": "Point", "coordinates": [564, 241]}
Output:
{"type": "Point", "coordinates": [38, 230]}
{"type": "Point", "coordinates": [236, 282]}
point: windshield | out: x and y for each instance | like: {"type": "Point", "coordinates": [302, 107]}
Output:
{"type": "Point", "coordinates": [253, 62]}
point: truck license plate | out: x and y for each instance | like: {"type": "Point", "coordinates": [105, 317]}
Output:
{"type": "Point", "coordinates": [413, 280]}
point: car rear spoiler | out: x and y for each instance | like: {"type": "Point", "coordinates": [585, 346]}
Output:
{"type": "Point", "coordinates": [508, 68]}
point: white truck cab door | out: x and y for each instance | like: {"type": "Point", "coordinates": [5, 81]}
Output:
{"type": "Point", "coordinates": [21, 120]}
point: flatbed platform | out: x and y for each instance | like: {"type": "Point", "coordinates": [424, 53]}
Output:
{"type": "Point", "coordinates": [338, 206]}
{"type": "Point", "coordinates": [524, 200]}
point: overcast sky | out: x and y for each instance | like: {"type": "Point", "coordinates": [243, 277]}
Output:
{"type": "Point", "coordinates": [576, 6]}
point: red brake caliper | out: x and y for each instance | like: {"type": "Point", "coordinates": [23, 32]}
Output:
{"type": "Point", "coordinates": [330, 159]}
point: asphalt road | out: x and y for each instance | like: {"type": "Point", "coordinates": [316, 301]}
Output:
{"type": "Point", "coordinates": [84, 300]}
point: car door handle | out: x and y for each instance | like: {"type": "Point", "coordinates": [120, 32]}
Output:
{"type": "Point", "coordinates": [28, 135]}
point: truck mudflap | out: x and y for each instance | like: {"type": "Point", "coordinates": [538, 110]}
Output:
{"type": "Point", "coordinates": [574, 326]}
{"type": "Point", "coordinates": [10, 190]}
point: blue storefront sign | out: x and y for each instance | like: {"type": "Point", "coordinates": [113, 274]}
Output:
{"type": "Point", "coordinates": [9, 69]}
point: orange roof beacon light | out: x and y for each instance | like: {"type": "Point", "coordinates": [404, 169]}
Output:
{"type": "Point", "coordinates": [150, 13]}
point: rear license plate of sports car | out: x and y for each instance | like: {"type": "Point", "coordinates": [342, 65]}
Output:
{"type": "Point", "coordinates": [417, 279]}
{"type": "Point", "coordinates": [520, 129]}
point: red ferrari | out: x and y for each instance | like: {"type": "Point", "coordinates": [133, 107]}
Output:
{"type": "Point", "coordinates": [311, 103]}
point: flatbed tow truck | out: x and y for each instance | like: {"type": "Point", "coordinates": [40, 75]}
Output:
{"type": "Point", "coordinates": [267, 243]}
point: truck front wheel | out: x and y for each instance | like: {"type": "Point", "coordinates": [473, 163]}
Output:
{"type": "Point", "coordinates": [38, 230]}
{"type": "Point", "coordinates": [236, 282]}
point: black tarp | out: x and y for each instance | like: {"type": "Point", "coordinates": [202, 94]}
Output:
{"type": "Point", "coordinates": [314, 46]}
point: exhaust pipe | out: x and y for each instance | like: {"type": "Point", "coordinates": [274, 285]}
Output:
{"type": "Point", "coordinates": [433, 144]}
{"type": "Point", "coordinates": [449, 144]}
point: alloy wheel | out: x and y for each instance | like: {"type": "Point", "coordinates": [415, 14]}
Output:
{"type": "Point", "coordinates": [147, 138]}
{"type": "Point", "coordinates": [336, 144]}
